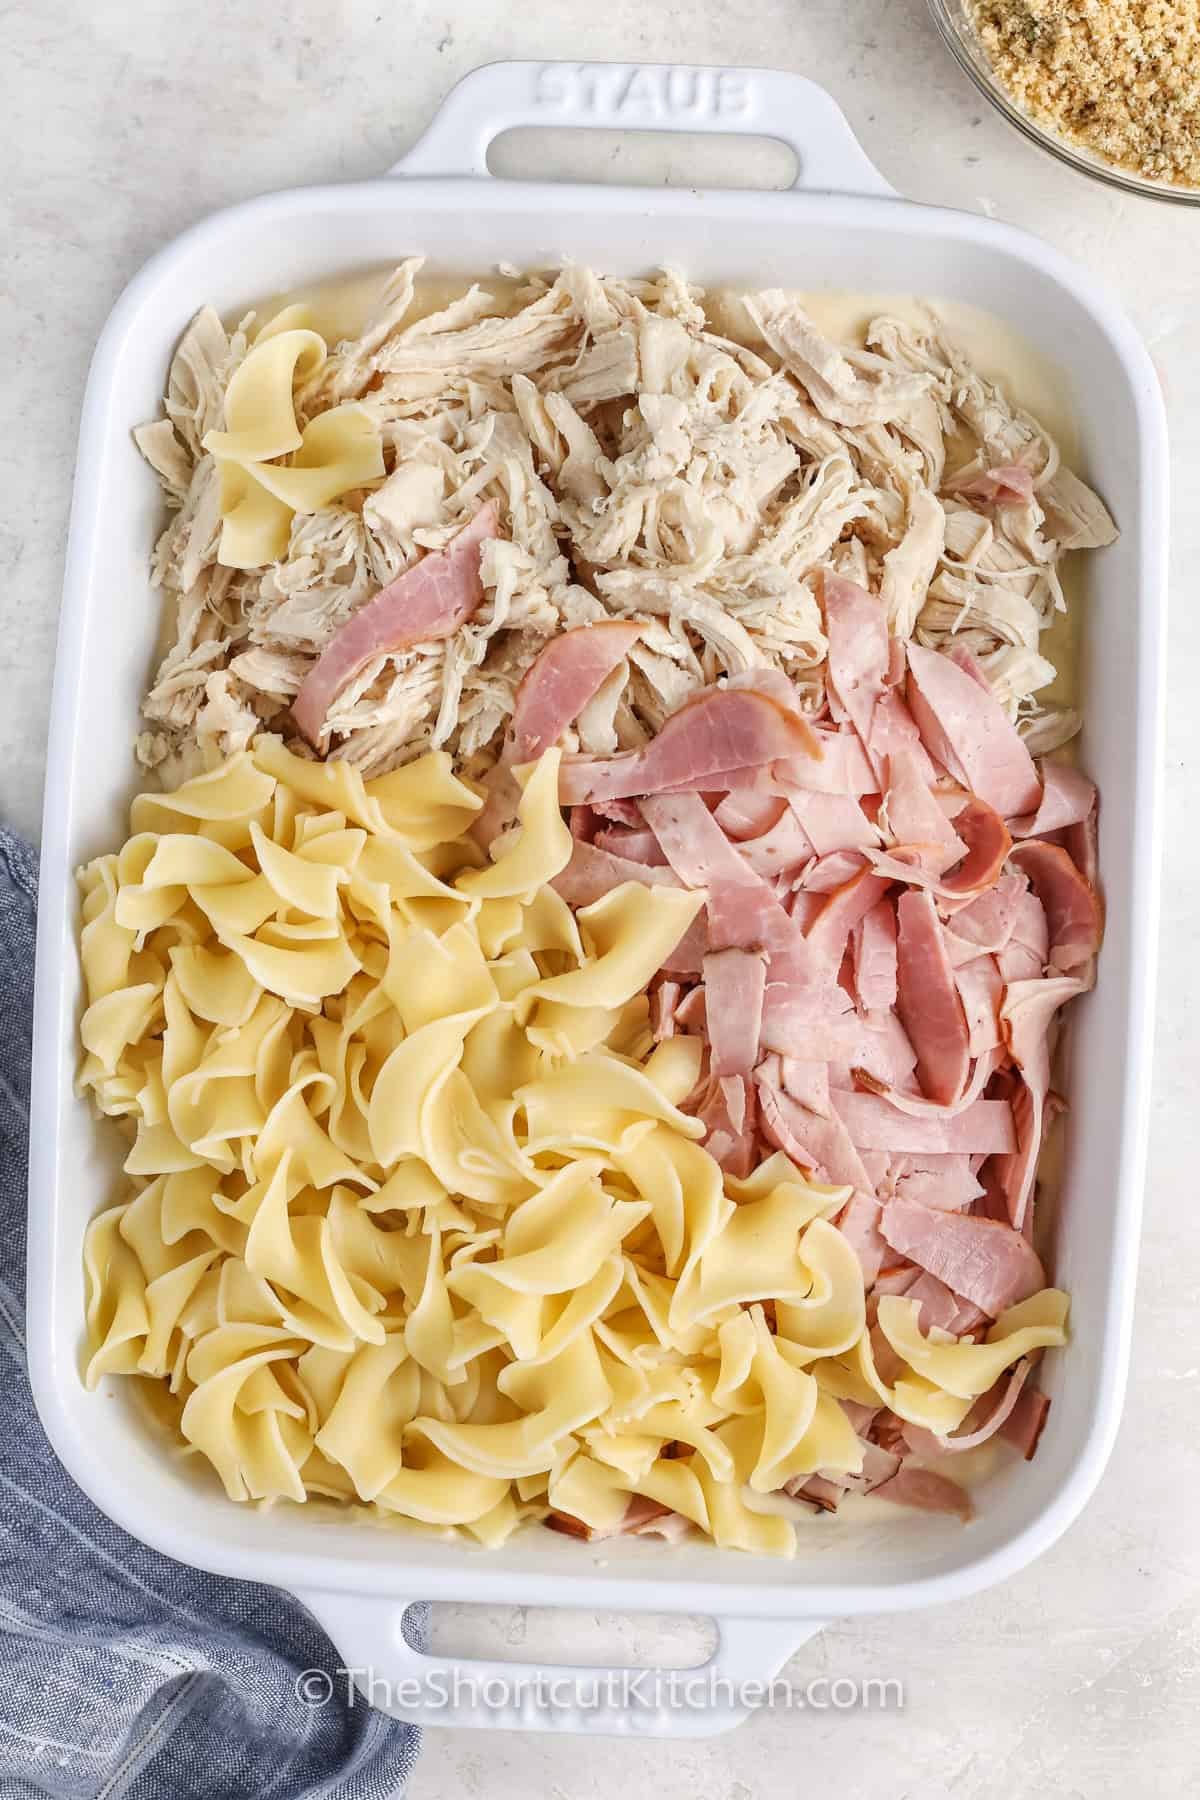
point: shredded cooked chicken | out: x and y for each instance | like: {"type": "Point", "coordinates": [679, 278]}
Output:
{"type": "Point", "coordinates": [645, 467]}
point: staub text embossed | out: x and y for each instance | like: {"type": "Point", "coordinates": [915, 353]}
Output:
{"type": "Point", "coordinates": [632, 91]}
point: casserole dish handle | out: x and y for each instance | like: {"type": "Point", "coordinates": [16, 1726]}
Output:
{"type": "Point", "coordinates": [770, 103]}
{"type": "Point", "coordinates": [384, 1668]}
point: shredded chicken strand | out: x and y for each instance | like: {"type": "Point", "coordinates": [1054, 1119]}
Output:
{"type": "Point", "coordinates": [645, 467]}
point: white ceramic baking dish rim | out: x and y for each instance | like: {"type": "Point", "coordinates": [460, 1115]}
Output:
{"type": "Point", "coordinates": [759, 1627]}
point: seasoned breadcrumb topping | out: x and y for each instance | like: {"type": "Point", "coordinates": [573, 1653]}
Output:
{"type": "Point", "coordinates": [1120, 78]}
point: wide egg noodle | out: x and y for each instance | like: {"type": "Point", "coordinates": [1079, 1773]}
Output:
{"type": "Point", "coordinates": [338, 450]}
{"type": "Point", "coordinates": [415, 1216]}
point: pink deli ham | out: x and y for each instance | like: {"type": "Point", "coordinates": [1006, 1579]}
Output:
{"type": "Point", "coordinates": [985, 1128]}
{"type": "Point", "coordinates": [858, 1223]}
{"type": "Point", "coordinates": [988, 921]}
{"type": "Point", "coordinates": [1072, 907]}
{"type": "Point", "coordinates": [734, 985]}
{"type": "Point", "coordinates": [964, 727]}
{"type": "Point", "coordinates": [1025, 1016]}
{"type": "Point", "coordinates": [810, 1140]}
{"type": "Point", "coordinates": [560, 682]}
{"type": "Point", "coordinates": [1023, 1427]}
{"type": "Point", "coordinates": [592, 873]}
{"type": "Point", "coordinates": [693, 843]}
{"type": "Point", "coordinates": [1011, 484]}
{"type": "Point", "coordinates": [986, 1262]}
{"type": "Point", "coordinates": [873, 942]}
{"type": "Point", "coordinates": [840, 911]}
{"type": "Point", "coordinates": [914, 817]}
{"type": "Point", "coordinates": [927, 1492]}
{"type": "Point", "coordinates": [985, 1419]}
{"type": "Point", "coordinates": [1068, 798]}
{"type": "Point", "coordinates": [874, 973]}
{"type": "Point", "coordinates": [432, 600]}
{"type": "Point", "coordinates": [721, 729]}
{"type": "Point", "coordinates": [856, 626]}
{"type": "Point", "coordinates": [928, 1002]}
{"type": "Point", "coordinates": [981, 989]}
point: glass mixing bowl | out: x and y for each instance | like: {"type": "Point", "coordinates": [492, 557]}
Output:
{"type": "Point", "coordinates": [953, 20]}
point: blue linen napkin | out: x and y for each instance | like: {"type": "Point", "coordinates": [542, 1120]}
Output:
{"type": "Point", "coordinates": [124, 1675]}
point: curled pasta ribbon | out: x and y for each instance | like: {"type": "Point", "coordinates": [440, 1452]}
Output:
{"type": "Point", "coordinates": [259, 493]}
{"type": "Point", "coordinates": [416, 1217]}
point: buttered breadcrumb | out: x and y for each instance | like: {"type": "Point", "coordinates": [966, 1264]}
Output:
{"type": "Point", "coordinates": [1120, 78]}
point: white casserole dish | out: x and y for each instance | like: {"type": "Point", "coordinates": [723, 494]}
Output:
{"type": "Point", "coordinates": [840, 227]}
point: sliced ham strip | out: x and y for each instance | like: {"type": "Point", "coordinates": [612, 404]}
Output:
{"type": "Point", "coordinates": [981, 988]}
{"type": "Point", "coordinates": [873, 945]}
{"type": "Point", "coordinates": [844, 767]}
{"type": "Point", "coordinates": [729, 1111]}
{"type": "Point", "coordinates": [745, 813]}
{"type": "Point", "coordinates": [799, 992]}
{"type": "Point", "coordinates": [987, 841]}
{"type": "Point", "coordinates": [687, 958]}
{"type": "Point", "coordinates": [860, 1416]}
{"type": "Point", "coordinates": [985, 1128]}
{"type": "Point", "coordinates": [1023, 1426]}
{"type": "Point", "coordinates": [927, 1491]}
{"type": "Point", "coordinates": [946, 1183]}
{"type": "Point", "coordinates": [661, 1523]}
{"type": "Point", "coordinates": [856, 626]}
{"type": "Point", "coordinates": [432, 600]}
{"type": "Point", "coordinates": [894, 731]}
{"type": "Point", "coordinates": [818, 1490]}
{"type": "Point", "coordinates": [858, 1223]}
{"type": "Point", "coordinates": [643, 1518]}
{"type": "Point", "coordinates": [693, 841]}
{"type": "Point", "coordinates": [928, 1003]}
{"type": "Point", "coordinates": [1024, 956]}
{"type": "Point", "coordinates": [984, 1261]}
{"type": "Point", "coordinates": [1068, 798]}
{"type": "Point", "coordinates": [784, 849]}
{"type": "Point", "coordinates": [734, 985]}
{"type": "Point", "coordinates": [879, 1465]}
{"type": "Point", "coordinates": [1082, 844]}
{"type": "Point", "coordinates": [664, 998]}
{"type": "Point", "coordinates": [637, 846]}
{"type": "Point", "coordinates": [617, 812]}
{"type": "Point", "coordinates": [807, 1082]}
{"type": "Point", "coordinates": [832, 871]}
{"type": "Point", "coordinates": [969, 663]}
{"type": "Point", "coordinates": [833, 822]}
{"type": "Point", "coordinates": [987, 922]}
{"type": "Point", "coordinates": [1073, 912]}
{"type": "Point", "coordinates": [810, 1140]}
{"type": "Point", "coordinates": [562, 679]}
{"type": "Point", "coordinates": [840, 912]}
{"type": "Point", "coordinates": [915, 820]}
{"type": "Point", "coordinates": [988, 1415]}
{"type": "Point", "coordinates": [919, 1106]}
{"type": "Point", "coordinates": [838, 1037]}
{"type": "Point", "coordinates": [1009, 485]}
{"type": "Point", "coordinates": [722, 728]}
{"type": "Point", "coordinates": [883, 1050]}
{"type": "Point", "coordinates": [897, 1278]}
{"type": "Point", "coordinates": [592, 873]}
{"type": "Point", "coordinates": [939, 1306]}
{"type": "Point", "coordinates": [967, 731]}
{"type": "Point", "coordinates": [691, 1012]}
{"type": "Point", "coordinates": [1025, 1016]}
